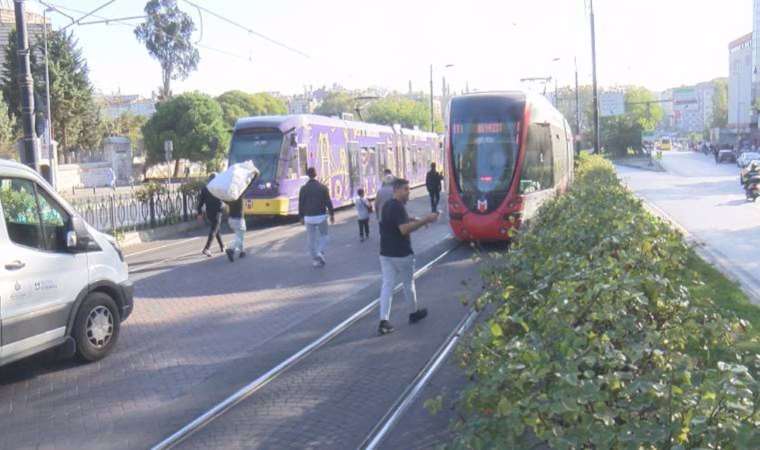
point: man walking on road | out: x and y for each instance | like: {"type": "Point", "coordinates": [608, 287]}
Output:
{"type": "Point", "coordinates": [433, 182]}
{"type": "Point", "coordinates": [213, 214]}
{"type": "Point", "coordinates": [236, 221]}
{"type": "Point", "coordinates": [396, 255]}
{"type": "Point", "coordinates": [384, 194]}
{"type": "Point", "coordinates": [314, 205]}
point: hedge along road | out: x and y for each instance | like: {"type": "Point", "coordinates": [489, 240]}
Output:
{"type": "Point", "coordinates": [201, 328]}
{"type": "Point", "coordinates": [707, 201]}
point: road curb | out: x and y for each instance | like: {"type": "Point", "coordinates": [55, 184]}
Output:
{"type": "Point", "coordinates": [132, 238]}
{"type": "Point", "coordinates": [657, 167]}
{"type": "Point", "coordinates": [750, 287]}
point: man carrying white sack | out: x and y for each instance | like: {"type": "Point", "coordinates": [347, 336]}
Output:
{"type": "Point", "coordinates": [230, 186]}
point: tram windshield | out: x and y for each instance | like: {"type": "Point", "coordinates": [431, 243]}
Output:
{"type": "Point", "coordinates": [485, 141]}
{"type": "Point", "coordinates": [263, 147]}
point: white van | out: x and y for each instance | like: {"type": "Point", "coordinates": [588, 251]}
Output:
{"type": "Point", "coordinates": [62, 283]}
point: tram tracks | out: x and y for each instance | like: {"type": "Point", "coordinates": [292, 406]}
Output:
{"type": "Point", "coordinates": [221, 408]}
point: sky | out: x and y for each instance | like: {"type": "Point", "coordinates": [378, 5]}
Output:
{"type": "Point", "coordinates": [492, 44]}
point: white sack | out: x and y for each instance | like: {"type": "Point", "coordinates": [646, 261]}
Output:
{"type": "Point", "coordinates": [229, 185]}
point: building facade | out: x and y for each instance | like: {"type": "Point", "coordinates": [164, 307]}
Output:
{"type": "Point", "coordinates": [706, 98]}
{"type": "Point", "coordinates": [740, 78]}
{"type": "Point", "coordinates": [755, 55]}
{"type": "Point", "coordinates": [113, 106]}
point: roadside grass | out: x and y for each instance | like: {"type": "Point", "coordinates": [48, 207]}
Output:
{"type": "Point", "coordinates": [728, 297]}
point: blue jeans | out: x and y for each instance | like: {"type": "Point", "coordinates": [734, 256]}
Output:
{"type": "Point", "coordinates": [316, 234]}
{"type": "Point", "coordinates": [238, 226]}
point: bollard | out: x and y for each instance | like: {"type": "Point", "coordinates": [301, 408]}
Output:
{"type": "Point", "coordinates": [152, 207]}
{"type": "Point", "coordinates": [113, 215]}
{"type": "Point", "coordinates": [184, 207]}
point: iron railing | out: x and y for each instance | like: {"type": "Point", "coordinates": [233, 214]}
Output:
{"type": "Point", "coordinates": [127, 212]}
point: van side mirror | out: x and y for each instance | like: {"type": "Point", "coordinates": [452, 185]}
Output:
{"type": "Point", "coordinates": [293, 140]}
{"type": "Point", "coordinates": [77, 238]}
{"type": "Point", "coordinates": [71, 240]}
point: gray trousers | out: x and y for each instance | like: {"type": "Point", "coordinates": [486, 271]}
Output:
{"type": "Point", "coordinates": [317, 237]}
{"type": "Point", "coordinates": [403, 269]}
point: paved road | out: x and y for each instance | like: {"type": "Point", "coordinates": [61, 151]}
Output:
{"type": "Point", "coordinates": [334, 398]}
{"type": "Point", "coordinates": [201, 329]}
{"type": "Point", "coordinates": [707, 201]}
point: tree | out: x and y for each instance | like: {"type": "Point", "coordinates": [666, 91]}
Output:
{"type": "Point", "coordinates": [237, 104]}
{"type": "Point", "coordinates": [404, 111]}
{"type": "Point", "coordinates": [720, 103]}
{"type": "Point", "coordinates": [76, 123]}
{"type": "Point", "coordinates": [167, 33]}
{"type": "Point", "coordinates": [9, 77]}
{"type": "Point", "coordinates": [336, 103]}
{"type": "Point", "coordinates": [71, 93]}
{"type": "Point", "coordinates": [619, 133]}
{"type": "Point", "coordinates": [129, 125]}
{"type": "Point", "coordinates": [191, 121]}
{"type": "Point", "coordinates": [7, 132]}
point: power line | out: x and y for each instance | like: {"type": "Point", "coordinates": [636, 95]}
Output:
{"type": "Point", "coordinates": [120, 21]}
{"type": "Point", "coordinates": [88, 14]}
{"type": "Point", "coordinates": [243, 27]}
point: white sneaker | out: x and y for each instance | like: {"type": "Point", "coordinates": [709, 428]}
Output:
{"type": "Point", "coordinates": [321, 258]}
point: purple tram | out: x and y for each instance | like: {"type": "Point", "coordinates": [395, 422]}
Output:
{"type": "Point", "coordinates": [347, 155]}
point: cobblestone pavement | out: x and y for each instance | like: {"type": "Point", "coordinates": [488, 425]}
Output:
{"type": "Point", "coordinates": [201, 329]}
{"type": "Point", "coordinates": [333, 398]}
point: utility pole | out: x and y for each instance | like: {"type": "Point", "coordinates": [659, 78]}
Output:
{"type": "Point", "coordinates": [577, 107]}
{"type": "Point", "coordinates": [52, 156]}
{"type": "Point", "coordinates": [26, 87]}
{"type": "Point", "coordinates": [597, 148]}
{"type": "Point", "coordinates": [432, 120]}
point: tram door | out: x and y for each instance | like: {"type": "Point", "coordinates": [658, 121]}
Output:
{"type": "Point", "coordinates": [354, 167]}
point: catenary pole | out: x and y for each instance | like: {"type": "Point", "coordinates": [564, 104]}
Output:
{"type": "Point", "coordinates": [597, 148]}
{"type": "Point", "coordinates": [26, 87]}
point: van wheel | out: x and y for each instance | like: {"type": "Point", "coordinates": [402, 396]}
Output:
{"type": "Point", "coordinates": [96, 328]}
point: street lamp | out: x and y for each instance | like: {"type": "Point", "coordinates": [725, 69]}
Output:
{"type": "Point", "coordinates": [52, 157]}
{"type": "Point", "coordinates": [556, 88]}
{"type": "Point", "coordinates": [432, 114]}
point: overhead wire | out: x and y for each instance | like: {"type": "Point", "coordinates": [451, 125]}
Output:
{"type": "Point", "coordinates": [88, 14]}
{"type": "Point", "coordinates": [120, 21]}
{"type": "Point", "coordinates": [249, 30]}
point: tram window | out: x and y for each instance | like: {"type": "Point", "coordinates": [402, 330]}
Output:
{"type": "Point", "coordinates": [293, 165]}
{"type": "Point", "coordinates": [538, 165]}
{"type": "Point", "coordinates": [304, 159]}
{"type": "Point", "coordinates": [382, 156]}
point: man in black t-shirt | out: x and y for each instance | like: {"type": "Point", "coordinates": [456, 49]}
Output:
{"type": "Point", "coordinates": [396, 254]}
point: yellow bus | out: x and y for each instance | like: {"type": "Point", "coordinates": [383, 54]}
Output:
{"type": "Point", "coordinates": [665, 144]}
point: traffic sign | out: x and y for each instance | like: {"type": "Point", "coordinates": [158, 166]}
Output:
{"type": "Point", "coordinates": [611, 104]}
{"type": "Point", "coordinates": [168, 150]}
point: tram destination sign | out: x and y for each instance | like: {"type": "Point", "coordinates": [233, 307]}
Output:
{"type": "Point", "coordinates": [479, 128]}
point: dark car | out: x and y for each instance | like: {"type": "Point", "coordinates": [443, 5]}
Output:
{"type": "Point", "coordinates": [725, 156]}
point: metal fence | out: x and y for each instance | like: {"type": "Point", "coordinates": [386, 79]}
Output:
{"type": "Point", "coordinates": [127, 212]}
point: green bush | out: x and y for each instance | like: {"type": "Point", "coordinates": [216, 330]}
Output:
{"type": "Point", "coordinates": [192, 187]}
{"type": "Point", "coordinates": [150, 190]}
{"type": "Point", "coordinates": [597, 341]}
